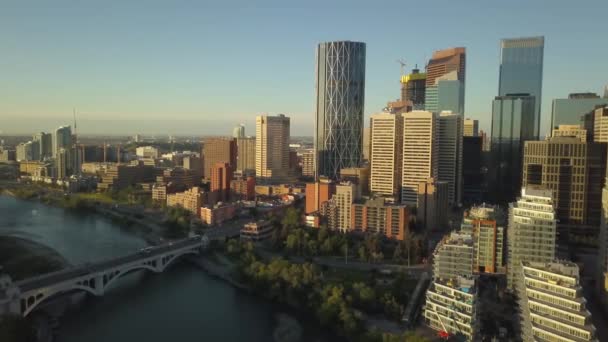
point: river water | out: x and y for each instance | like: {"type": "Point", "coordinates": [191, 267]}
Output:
{"type": "Point", "coordinates": [181, 304]}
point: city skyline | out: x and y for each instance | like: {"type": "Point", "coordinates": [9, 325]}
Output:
{"type": "Point", "coordinates": [116, 76]}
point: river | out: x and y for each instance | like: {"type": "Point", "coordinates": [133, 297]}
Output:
{"type": "Point", "coordinates": [181, 304]}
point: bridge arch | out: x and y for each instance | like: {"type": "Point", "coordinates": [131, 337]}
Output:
{"type": "Point", "coordinates": [164, 265]}
{"type": "Point", "coordinates": [122, 272]}
{"type": "Point", "coordinates": [35, 299]}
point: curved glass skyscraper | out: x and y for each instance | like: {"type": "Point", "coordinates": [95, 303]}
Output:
{"type": "Point", "coordinates": [521, 70]}
{"type": "Point", "coordinates": [340, 86]}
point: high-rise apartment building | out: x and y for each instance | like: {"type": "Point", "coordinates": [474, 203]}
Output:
{"type": "Point", "coordinates": [238, 131]}
{"type": "Point", "coordinates": [447, 93]}
{"type": "Point", "coordinates": [344, 197]}
{"type": "Point", "coordinates": [62, 138]}
{"type": "Point", "coordinates": [432, 204]}
{"type": "Point", "coordinates": [471, 128]}
{"type": "Point", "coordinates": [531, 234]}
{"type": "Point", "coordinates": [340, 87]}
{"type": "Point", "coordinates": [453, 256]}
{"type": "Point", "coordinates": [451, 308]}
{"type": "Point", "coordinates": [245, 160]}
{"type": "Point", "coordinates": [413, 87]}
{"type": "Point", "coordinates": [221, 176]}
{"type": "Point", "coordinates": [574, 170]}
{"type": "Point", "coordinates": [272, 148]}
{"type": "Point", "coordinates": [218, 150]}
{"type": "Point", "coordinates": [386, 154]}
{"type": "Point", "coordinates": [375, 216]}
{"type": "Point", "coordinates": [570, 111]}
{"type": "Point", "coordinates": [513, 122]}
{"type": "Point", "coordinates": [308, 163]}
{"type": "Point", "coordinates": [420, 129]}
{"type": "Point", "coordinates": [551, 303]}
{"type": "Point", "coordinates": [521, 71]}
{"type": "Point", "coordinates": [486, 226]}
{"type": "Point", "coordinates": [45, 144]}
{"type": "Point", "coordinates": [449, 155]}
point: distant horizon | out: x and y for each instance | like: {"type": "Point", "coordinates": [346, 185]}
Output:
{"type": "Point", "coordinates": [236, 60]}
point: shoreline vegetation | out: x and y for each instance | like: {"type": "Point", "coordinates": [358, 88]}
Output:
{"type": "Point", "coordinates": [344, 306]}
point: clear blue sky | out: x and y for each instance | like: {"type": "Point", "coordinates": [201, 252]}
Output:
{"type": "Point", "coordinates": [197, 67]}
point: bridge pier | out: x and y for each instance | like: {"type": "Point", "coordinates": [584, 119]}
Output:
{"type": "Point", "coordinates": [9, 296]}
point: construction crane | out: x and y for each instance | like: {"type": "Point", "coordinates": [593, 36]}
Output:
{"type": "Point", "coordinates": [402, 63]}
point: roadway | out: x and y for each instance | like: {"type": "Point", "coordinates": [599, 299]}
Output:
{"type": "Point", "coordinates": [91, 268]}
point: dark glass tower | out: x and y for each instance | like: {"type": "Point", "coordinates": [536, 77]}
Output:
{"type": "Point", "coordinates": [513, 122]}
{"type": "Point", "coordinates": [521, 70]}
{"type": "Point", "coordinates": [340, 86]}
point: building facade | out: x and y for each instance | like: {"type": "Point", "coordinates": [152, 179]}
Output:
{"type": "Point", "coordinates": [377, 217]}
{"type": "Point", "coordinates": [451, 308]}
{"type": "Point", "coordinates": [473, 175]}
{"type": "Point", "coordinates": [386, 154]}
{"type": "Point", "coordinates": [445, 61]}
{"type": "Point", "coordinates": [531, 235]}
{"type": "Point", "coordinates": [191, 200]}
{"type": "Point", "coordinates": [308, 163]}
{"type": "Point", "coordinates": [551, 302]}
{"type": "Point", "coordinates": [45, 144]}
{"type": "Point", "coordinates": [346, 194]}
{"type": "Point", "coordinates": [272, 149]}
{"type": "Point", "coordinates": [447, 93]}
{"type": "Point", "coordinates": [486, 226]}
{"type": "Point", "coordinates": [513, 122]}
{"type": "Point", "coordinates": [471, 128]}
{"type": "Point", "coordinates": [340, 87]}
{"type": "Point", "coordinates": [449, 155]}
{"type": "Point", "coordinates": [521, 71]}
{"type": "Point", "coordinates": [218, 150]}
{"type": "Point", "coordinates": [245, 161]}
{"type": "Point", "coordinates": [221, 176]}
{"type": "Point", "coordinates": [453, 256]}
{"type": "Point", "coordinates": [413, 87]}
{"type": "Point", "coordinates": [318, 193]}
{"type": "Point", "coordinates": [571, 110]}
{"type": "Point", "coordinates": [574, 170]}
{"type": "Point", "coordinates": [433, 204]}
{"type": "Point", "coordinates": [62, 138]}
{"type": "Point", "coordinates": [238, 131]}
{"type": "Point", "coordinates": [420, 130]}
{"type": "Point", "coordinates": [600, 124]}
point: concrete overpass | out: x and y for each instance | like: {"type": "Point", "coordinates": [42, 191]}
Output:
{"type": "Point", "coordinates": [22, 297]}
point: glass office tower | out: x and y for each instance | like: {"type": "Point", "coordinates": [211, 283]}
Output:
{"type": "Point", "coordinates": [513, 122]}
{"type": "Point", "coordinates": [340, 87]}
{"type": "Point", "coordinates": [521, 70]}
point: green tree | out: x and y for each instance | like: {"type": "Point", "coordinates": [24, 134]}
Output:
{"type": "Point", "coordinates": [291, 220]}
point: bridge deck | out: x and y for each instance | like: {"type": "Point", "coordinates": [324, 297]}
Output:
{"type": "Point", "coordinates": [91, 268]}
